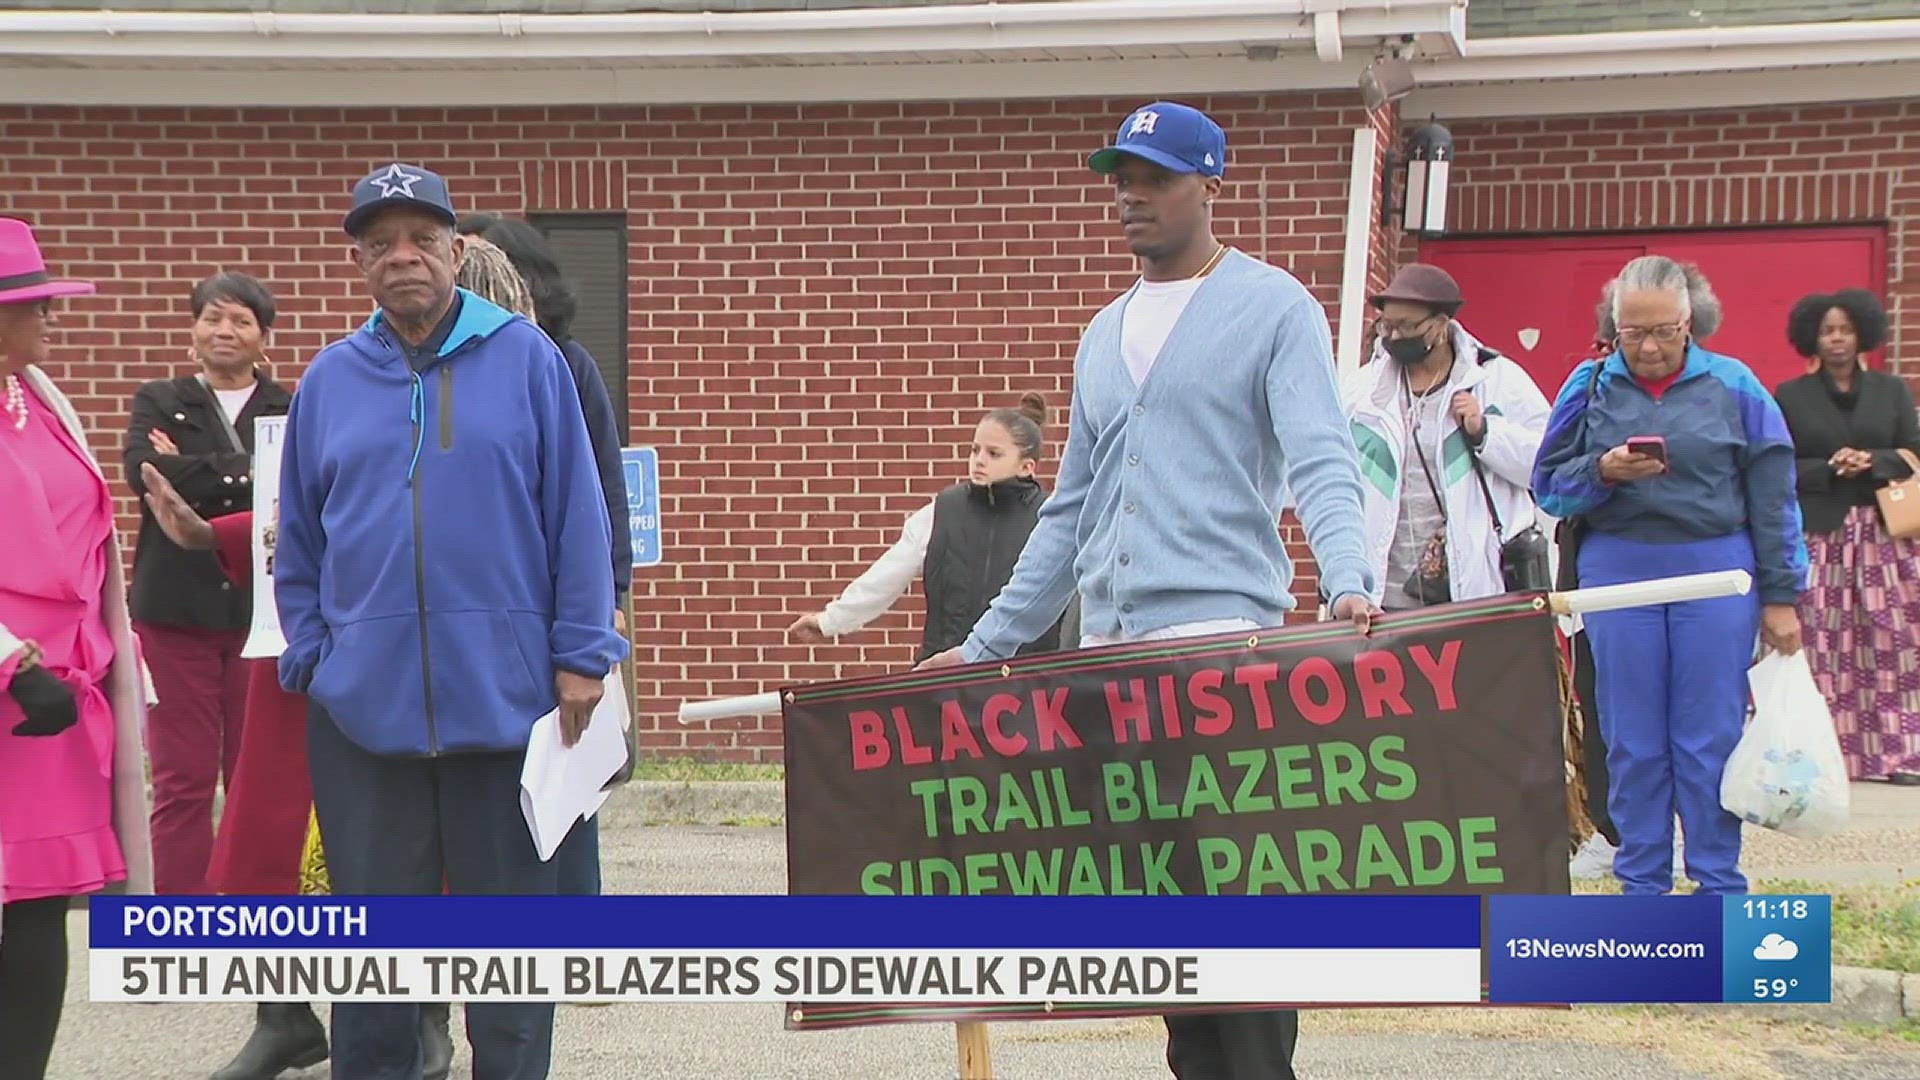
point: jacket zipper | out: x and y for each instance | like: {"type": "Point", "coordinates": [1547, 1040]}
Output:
{"type": "Point", "coordinates": [446, 407]}
{"type": "Point", "coordinates": [993, 534]}
{"type": "Point", "coordinates": [420, 574]}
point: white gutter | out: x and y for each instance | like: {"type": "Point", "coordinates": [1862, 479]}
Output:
{"type": "Point", "coordinates": [1359, 238]}
{"type": "Point", "coordinates": [988, 27]}
{"type": "Point", "coordinates": [1666, 52]}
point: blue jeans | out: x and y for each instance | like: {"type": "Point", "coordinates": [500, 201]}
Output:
{"type": "Point", "coordinates": [1672, 683]}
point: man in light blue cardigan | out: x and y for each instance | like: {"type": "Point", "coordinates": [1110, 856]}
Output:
{"type": "Point", "coordinates": [1199, 396]}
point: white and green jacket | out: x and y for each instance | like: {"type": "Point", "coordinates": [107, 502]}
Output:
{"type": "Point", "coordinates": [1516, 414]}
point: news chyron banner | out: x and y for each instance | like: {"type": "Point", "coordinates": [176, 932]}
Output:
{"type": "Point", "coordinates": [1426, 758]}
{"type": "Point", "coordinates": [876, 959]}
{"type": "Point", "coordinates": [854, 951]}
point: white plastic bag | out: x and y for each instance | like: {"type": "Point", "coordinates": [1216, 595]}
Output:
{"type": "Point", "coordinates": [1787, 773]}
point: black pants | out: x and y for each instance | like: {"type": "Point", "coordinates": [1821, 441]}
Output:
{"type": "Point", "coordinates": [400, 826]}
{"type": "Point", "coordinates": [1233, 1046]}
{"type": "Point", "coordinates": [1593, 745]}
{"type": "Point", "coordinates": [33, 983]}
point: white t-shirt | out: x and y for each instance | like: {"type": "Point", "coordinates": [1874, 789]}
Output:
{"type": "Point", "coordinates": [1148, 321]}
{"type": "Point", "coordinates": [232, 401]}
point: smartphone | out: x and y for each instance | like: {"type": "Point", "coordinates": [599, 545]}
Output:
{"type": "Point", "coordinates": [1652, 446]}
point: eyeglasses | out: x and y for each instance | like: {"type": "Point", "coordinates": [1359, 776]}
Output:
{"type": "Point", "coordinates": [1666, 334]}
{"type": "Point", "coordinates": [1382, 328]}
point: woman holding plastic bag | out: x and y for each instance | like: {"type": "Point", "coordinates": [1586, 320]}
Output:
{"type": "Point", "coordinates": [1787, 773]}
{"type": "Point", "coordinates": [1676, 461]}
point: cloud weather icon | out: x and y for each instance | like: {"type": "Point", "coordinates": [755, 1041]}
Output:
{"type": "Point", "coordinates": [1775, 947]}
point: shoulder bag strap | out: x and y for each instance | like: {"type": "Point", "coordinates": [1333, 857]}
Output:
{"type": "Point", "coordinates": [220, 410]}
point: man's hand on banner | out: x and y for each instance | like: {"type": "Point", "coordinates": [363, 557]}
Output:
{"type": "Point", "coordinates": [1356, 609]}
{"type": "Point", "coordinates": [949, 658]}
{"type": "Point", "coordinates": [578, 695]}
{"type": "Point", "coordinates": [172, 514]}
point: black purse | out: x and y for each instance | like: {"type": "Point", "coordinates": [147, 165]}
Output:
{"type": "Point", "coordinates": [1524, 566]}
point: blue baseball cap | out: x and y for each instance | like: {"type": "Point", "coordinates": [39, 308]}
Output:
{"type": "Point", "coordinates": [1172, 136]}
{"type": "Point", "coordinates": [398, 185]}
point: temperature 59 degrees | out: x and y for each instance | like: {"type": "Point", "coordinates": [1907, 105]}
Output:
{"type": "Point", "coordinates": [1773, 988]}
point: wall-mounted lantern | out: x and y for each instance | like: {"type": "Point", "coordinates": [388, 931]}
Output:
{"type": "Point", "coordinates": [1423, 205]}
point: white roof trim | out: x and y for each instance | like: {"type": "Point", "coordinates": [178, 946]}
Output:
{"type": "Point", "coordinates": [1668, 52]}
{"type": "Point", "coordinates": [1666, 93]}
{"type": "Point", "coordinates": [590, 85]}
{"type": "Point", "coordinates": [635, 37]}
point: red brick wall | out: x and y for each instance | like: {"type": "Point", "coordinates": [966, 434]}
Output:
{"type": "Point", "coordinates": [1798, 165]}
{"type": "Point", "coordinates": [824, 300]}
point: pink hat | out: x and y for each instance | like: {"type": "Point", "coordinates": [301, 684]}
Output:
{"type": "Point", "coordinates": [23, 273]}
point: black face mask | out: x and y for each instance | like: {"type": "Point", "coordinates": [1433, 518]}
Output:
{"type": "Point", "coordinates": [1409, 350]}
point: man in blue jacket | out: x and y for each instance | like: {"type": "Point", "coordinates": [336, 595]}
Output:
{"type": "Point", "coordinates": [444, 578]}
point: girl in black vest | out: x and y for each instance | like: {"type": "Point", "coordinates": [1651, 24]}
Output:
{"type": "Point", "coordinates": [964, 542]}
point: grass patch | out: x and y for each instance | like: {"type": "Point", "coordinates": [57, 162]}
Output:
{"type": "Point", "coordinates": [686, 770]}
{"type": "Point", "coordinates": [1874, 926]}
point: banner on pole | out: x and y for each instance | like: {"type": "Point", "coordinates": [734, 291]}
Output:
{"type": "Point", "coordinates": [1427, 757]}
{"type": "Point", "coordinates": [265, 638]}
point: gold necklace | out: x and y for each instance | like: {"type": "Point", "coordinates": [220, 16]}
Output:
{"type": "Point", "coordinates": [1219, 253]}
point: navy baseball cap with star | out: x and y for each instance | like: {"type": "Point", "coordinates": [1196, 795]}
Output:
{"type": "Point", "coordinates": [1172, 136]}
{"type": "Point", "coordinates": [398, 185]}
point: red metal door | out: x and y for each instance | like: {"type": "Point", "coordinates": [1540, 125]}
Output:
{"type": "Point", "coordinates": [1534, 298]}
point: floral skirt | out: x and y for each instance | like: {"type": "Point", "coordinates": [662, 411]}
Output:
{"type": "Point", "coordinates": [1862, 626]}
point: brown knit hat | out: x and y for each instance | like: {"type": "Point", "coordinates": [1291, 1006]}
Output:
{"type": "Point", "coordinates": [1419, 283]}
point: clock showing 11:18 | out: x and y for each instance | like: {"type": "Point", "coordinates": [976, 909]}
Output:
{"type": "Point", "coordinates": [1777, 948]}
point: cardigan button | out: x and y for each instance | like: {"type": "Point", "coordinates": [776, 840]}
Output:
{"type": "Point", "coordinates": [179, 416]}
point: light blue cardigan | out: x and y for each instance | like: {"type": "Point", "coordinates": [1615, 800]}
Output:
{"type": "Point", "coordinates": [1166, 506]}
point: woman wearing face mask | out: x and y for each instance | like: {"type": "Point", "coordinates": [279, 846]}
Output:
{"type": "Point", "coordinates": [965, 542]}
{"type": "Point", "coordinates": [1677, 461]}
{"type": "Point", "coordinates": [1849, 426]}
{"type": "Point", "coordinates": [1447, 430]}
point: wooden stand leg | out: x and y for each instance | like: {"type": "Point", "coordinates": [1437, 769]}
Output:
{"type": "Point", "coordinates": [976, 1058]}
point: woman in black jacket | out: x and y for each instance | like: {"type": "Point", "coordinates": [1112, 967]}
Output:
{"type": "Point", "coordinates": [1862, 612]}
{"type": "Point", "coordinates": [964, 542]}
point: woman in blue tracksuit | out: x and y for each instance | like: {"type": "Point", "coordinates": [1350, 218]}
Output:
{"type": "Point", "coordinates": [1672, 677]}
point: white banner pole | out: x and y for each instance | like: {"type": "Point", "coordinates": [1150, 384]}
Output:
{"type": "Point", "coordinates": [1671, 590]}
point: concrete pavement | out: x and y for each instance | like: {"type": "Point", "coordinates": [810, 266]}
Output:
{"type": "Point", "coordinates": [186, 1042]}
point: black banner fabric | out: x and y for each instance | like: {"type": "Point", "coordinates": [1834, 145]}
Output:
{"type": "Point", "coordinates": [1427, 757]}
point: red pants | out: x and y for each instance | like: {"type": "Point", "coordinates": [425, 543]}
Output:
{"type": "Point", "coordinates": [193, 742]}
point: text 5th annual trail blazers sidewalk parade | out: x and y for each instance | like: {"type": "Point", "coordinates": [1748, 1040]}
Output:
{"type": "Point", "coordinates": [1425, 758]}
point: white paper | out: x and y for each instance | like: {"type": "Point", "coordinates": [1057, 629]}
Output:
{"type": "Point", "coordinates": [265, 638]}
{"type": "Point", "coordinates": [561, 785]}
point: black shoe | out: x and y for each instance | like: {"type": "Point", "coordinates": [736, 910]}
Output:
{"type": "Point", "coordinates": [1904, 779]}
{"type": "Point", "coordinates": [436, 1041]}
{"type": "Point", "coordinates": [286, 1035]}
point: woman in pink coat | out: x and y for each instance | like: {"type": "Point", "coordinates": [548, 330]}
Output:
{"type": "Point", "coordinates": [73, 809]}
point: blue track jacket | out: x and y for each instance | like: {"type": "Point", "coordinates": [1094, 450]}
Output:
{"type": "Point", "coordinates": [443, 538]}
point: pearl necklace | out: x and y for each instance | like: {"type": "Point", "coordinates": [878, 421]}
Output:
{"type": "Point", "coordinates": [17, 402]}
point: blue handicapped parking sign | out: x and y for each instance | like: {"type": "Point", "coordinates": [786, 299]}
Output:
{"type": "Point", "coordinates": [641, 466]}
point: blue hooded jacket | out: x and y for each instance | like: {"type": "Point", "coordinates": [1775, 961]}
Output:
{"type": "Point", "coordinates": [443, 539]}
{"type": "Point", "coordinates": [1730, 457]}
